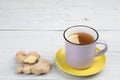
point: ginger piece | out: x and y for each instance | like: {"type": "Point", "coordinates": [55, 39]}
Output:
{"type": "Point", "coordinates": [42, 66]}
{"type": "Point", "coordinates": [32, 57]}
{"type": "Point", "coordinates": [19, 69]}
{"type": "Point", "coordinates": [22, 57]}
{"type": "Point", "coordinates": [26, 69]}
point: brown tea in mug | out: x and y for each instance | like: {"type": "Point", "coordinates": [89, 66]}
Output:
{"type": "Point", "coordinates": [81, 38]}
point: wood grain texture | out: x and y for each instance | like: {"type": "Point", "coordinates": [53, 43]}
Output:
{"type": "Point", "coordinates": [57, 15]}
{"type": "Point", "coordinates": [48, 40]}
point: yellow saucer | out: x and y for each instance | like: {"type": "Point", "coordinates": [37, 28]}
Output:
{"type": "Point", "coordinates": [98, 65]}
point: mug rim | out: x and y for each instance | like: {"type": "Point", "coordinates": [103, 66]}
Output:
{"type": "Point", "coordinates": [80, 26]}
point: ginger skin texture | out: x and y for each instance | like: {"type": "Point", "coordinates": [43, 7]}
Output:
{"type": "Point", "coordinates": [20, 56]}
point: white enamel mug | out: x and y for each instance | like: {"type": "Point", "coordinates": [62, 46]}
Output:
{"type": "Point", "coordinates": [82, 56]}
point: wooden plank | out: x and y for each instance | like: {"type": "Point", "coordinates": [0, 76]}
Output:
{"type": "Point", "coordinates": [48, 40]}
{"type": "Point", "coordinates": [58, 15]}
{"type": "Point", "coordinates": [8, 66]}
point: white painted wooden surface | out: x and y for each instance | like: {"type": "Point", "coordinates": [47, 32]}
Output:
{"type": "Point", "coordinates": [59, 14]}
{"type": "Point", "coordinates": [38, 25]}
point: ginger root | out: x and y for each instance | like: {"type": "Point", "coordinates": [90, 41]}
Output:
{"type": "Point", "coordinates": [31, 63]}
{"type": "Point", "coordinates": [42, 66]}
{"type": "Point", "coordinates": [22, 57]}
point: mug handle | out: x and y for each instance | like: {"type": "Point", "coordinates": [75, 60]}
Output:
{"type": "Point", "coordinates": [104, 50]}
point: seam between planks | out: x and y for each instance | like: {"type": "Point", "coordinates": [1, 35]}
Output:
{"type": "Point", "coordinates": [46, 30]}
